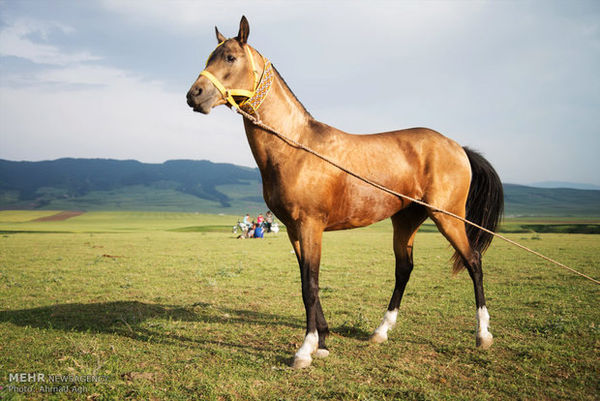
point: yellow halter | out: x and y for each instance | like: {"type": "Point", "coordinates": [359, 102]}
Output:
{"type": "Point", "coordinates": [260, 89]}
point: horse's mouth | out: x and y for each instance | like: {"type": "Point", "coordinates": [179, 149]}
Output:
{"type": "Point", "coordinates": [201, 109]}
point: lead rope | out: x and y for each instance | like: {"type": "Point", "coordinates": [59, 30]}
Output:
{"type": "Point", "coordinates": [296, 144]}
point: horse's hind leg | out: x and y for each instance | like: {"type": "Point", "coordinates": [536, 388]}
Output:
{"type": "Point", "coordinates": [455, 233]}
{"type": "Point", "coordinates": [406, 223]}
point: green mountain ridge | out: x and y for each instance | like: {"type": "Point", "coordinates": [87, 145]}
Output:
{"type": "Point", "coordinates": [94, 184]}
{"type": "Point", "coordinates": [205, 187]}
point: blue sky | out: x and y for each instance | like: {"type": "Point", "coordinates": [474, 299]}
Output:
{"type": "Point", "coordinates": [517, 80]}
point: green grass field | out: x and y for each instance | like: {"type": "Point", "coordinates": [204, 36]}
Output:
{"type": "Point", "coordinates": [171, 306]}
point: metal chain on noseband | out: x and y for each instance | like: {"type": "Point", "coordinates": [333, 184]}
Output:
{"type": "Point", "coordinates": [296, 144]}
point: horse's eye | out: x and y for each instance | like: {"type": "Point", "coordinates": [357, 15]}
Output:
{"type": "Point", "coordinates": [230, 58]}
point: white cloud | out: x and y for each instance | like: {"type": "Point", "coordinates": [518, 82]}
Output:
{"type": "Point", "coordinates": [15, 41]}
{"type": "Point", "coordinates": [71, 106]}
{"type": "Point", "coordinates": [80, 74]}
{"type": "Point", "coordinates": [125, 118]}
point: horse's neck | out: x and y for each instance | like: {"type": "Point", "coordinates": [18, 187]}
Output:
{"type": "Point", "coordinates": [283, 112]}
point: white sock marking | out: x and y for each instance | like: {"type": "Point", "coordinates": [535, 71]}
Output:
{"type": "Point", "coordinates": [389, 320]}
{"type": "Point", "coordinates": [483, 321]}
{"type": "Point", "coordinates": [311, 341]}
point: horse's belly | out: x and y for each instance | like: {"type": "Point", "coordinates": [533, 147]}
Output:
{"type": "Point", "coordinates": [361, 211]}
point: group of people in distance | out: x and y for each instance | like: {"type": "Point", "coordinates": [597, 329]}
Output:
{"type": "Point", "coordinates": [256, 229]}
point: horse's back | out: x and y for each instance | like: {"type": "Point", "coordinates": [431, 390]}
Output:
{"type": "Point", "coordinates": [411, 159]}
{"type": "Point", "coordinates": [418, 141]}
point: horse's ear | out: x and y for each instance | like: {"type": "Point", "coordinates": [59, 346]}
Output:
{"type": "Point", "coordinates": [242, 35]}
{"type": "Point", "coordinates": [220, 37]}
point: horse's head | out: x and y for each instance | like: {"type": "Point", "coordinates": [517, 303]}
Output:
{"type": "Point", "coordinates": [230, 65]}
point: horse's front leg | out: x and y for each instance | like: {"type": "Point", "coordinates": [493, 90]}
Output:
{"type": "Point", "coordinates": [307, 245]}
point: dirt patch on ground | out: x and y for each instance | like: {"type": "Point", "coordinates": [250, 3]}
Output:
{"type": "Point", "coordinates": [60, 216]}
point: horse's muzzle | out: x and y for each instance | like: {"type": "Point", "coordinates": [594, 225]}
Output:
{"type": "Point", "coordinates": [199, 100]}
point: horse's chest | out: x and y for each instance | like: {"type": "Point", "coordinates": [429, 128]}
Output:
{"type": "Point", "coordinates": [283, 199]}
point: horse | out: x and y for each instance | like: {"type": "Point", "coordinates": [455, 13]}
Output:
{"type": "Point", "coordinates": [310, 196]}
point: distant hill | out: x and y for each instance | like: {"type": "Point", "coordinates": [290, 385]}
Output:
{"type": "Point", "coordinates": [105, 184]}
{"type": "Point", "coordinates": [563, 184]}
{"type": "Point", "coordinates": [528, 201]}
{"type": "Point", "coordinates": [203, 186]}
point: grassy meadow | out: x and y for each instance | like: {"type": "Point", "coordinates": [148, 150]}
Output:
{"type": "Point", "coordinates": [171, 306]}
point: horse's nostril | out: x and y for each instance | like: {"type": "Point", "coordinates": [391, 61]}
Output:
{"type": "Point", "coordinates": [194, 92]}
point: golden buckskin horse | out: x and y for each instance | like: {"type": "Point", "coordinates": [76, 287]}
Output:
{"type": "Point", "coordinates": [311, 196]}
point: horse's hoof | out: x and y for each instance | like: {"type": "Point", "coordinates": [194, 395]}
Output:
{"type": "Point", "coordinates": [301, 363]}
{"type": "Point", "coordinates": [321, 353]}
{"type": "Point", "coordinates": [378, 338]}
{"type": "Point", "coordinates": [485, 341]}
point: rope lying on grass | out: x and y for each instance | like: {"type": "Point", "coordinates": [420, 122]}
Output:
{"type": "Point", "coordinates": [296, 144]}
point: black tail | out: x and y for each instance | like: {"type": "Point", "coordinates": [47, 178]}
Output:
{"type": "Point", "coordinates": [485, 205]}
